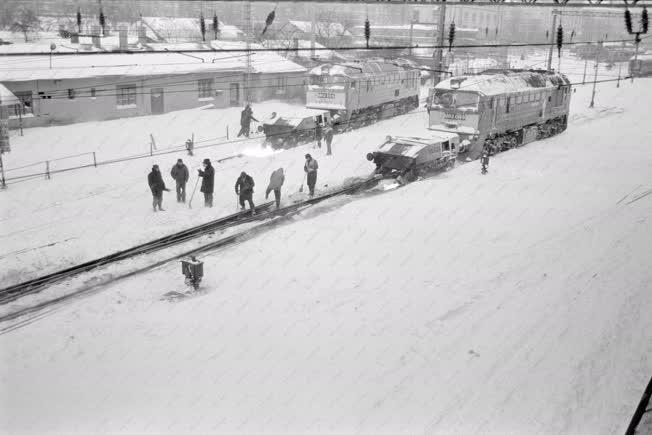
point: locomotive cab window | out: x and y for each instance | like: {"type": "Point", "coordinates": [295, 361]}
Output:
{"type": "Point", "coordinates": [353, 84]}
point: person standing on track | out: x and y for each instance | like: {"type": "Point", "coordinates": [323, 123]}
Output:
{"type": "Point", "coordinates": [310, 168]}
{"type": "Point", "coordinates": [318, 133]}
{"type": "Point", "coordinates": [207, 182]}
{"type": "Point", "coordinates": [244, 187]}
{"type": "Point", "coordinates": [245, 121]}
{"type": "Point", "coordinates": [180, 174]}
{"type": "Point", "coordinates": [275, 182]}
{"type": "Point", "coordinates": [157, 186]}
{"type": "Point", "coordinates": [485, 161]}
{"type": "Point", "coordinates": [328, 137]}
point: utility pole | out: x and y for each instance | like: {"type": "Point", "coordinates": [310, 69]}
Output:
{"type": "Point", "coordinates": [439, 54]}
{"type": "Point", "coordinates": [595, 76]}
{"type": "Point", "coordinates": [313, 30]}
{"type": "Point", "coordinates": [553, 32]}
{"type": "Point", "coordinates": [248, 37]}
{"type": "Point", "coordinates": [411, 35]}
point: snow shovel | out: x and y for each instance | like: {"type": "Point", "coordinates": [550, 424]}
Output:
{"type": "Point", "coordinates": [302, 181]}
{"type": "Point", "coordinates": [193, 193]}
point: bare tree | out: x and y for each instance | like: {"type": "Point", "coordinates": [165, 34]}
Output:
{"type": "Point", "coordinates": [332, 29]}
{"type": "Point", "coordinates": [8, 12]}
{"type": "Point", "coordinates": [25, 21]}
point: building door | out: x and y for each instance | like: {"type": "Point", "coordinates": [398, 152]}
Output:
{"type": "Point", "coordinates": [235, 94]}
{"type": "Point", "coordinates": [158, 104]}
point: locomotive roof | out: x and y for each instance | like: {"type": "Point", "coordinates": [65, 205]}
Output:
{"type": "Point", "coordinates": [495, 82]}
{"type": "Point", "coordinates": [411, 146]}
{"type": "Point", "coordinates": [357, 69]}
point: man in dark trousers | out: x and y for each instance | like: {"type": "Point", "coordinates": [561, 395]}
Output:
{"type": "Point", "coordinates": [180, 174]}
{"type": "Point", "coordinates": [310, 168]}
{"type": "Point", "coordinates": [244, 187]}
{"type": "Point", "coordinates": [328, 137]}
{"type": "Point", "coordinates": [318, 133]}
{"type": "Point", "coordinates": [245, 121]}
{"type": "Point", "coordinates": [207, 182]}
{"type": "Point", "coordinates": [157, 185]}
{"type": "Point", "coordinates": [485, 161]}
{"type": "Point", "coordinates": [275, 183]}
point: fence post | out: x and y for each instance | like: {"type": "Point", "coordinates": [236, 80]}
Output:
{"type": "Point", "coordinates": [227, 132]}
{"type": "Point", "coordinates": [94, 160]}
{"type": "Point", "coordinates": [2, 172]}
{"type": "Point", "coordinates": [47, 169]}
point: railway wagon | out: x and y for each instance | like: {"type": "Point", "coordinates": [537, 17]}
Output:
{"type": "Point", "coordinates": [500, 109]}
{"type": "Point", "coordinates": [641, 66]}
{"type": "Point", "coordinates": [360, 93]}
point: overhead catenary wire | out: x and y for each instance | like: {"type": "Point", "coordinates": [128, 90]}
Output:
{"type": "Point", "coordinates": [291, 49]}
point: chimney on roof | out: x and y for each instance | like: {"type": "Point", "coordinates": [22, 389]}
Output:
{"type": "Point", "coordinates": [123, 38]}
{"type": "Point", "coordinates": [95, 32]}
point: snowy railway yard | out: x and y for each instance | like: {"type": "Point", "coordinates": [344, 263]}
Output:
{"type": "Point", "coordinates": [515, 302]}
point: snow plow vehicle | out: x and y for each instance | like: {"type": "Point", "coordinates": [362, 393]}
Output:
{"type": "Point", "coordinates": [290, 130]}
{"type": "Point", "coordinates": [408, 158]}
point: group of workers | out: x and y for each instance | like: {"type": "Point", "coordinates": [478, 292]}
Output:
{"type": "Point", "coordinates": [244, 185]}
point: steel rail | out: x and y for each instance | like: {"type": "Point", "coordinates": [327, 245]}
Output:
{"type": "Point", "coordinates": [35, 285]}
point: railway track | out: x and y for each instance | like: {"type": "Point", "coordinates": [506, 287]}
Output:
{"type": "Point", "coordinates": [36, 285]}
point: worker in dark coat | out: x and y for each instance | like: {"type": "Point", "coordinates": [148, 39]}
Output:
{"type": "Point", "coordinates": [318, 134]}
{"type": "Point", "coordinates": [244, 187]}
{"type": "Point", "coordinates": [328, 137]}
{"type": "Point", "coordinates": [485, 161]}
{"type": "Point", "coordinates": [207, 182]}
{"type": "Point", "coordinates": [157, 186]}
{"type": "Point", "coordinates": [310, 168]}
{"type": "Point", "coordinates": [180, 174]}
{"type": "Point", "coordinates": [245, 121]}
{"type": "Point", "coordinates": [275, 182]}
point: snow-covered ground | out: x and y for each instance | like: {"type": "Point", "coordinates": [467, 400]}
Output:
{"type": "Point", "coordinates": [516, 302]}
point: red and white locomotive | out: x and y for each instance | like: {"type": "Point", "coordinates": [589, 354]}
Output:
{"type": "Point", "coordinates": [360, 93]}
{"type": "Point", "coordinates": [500, 109]}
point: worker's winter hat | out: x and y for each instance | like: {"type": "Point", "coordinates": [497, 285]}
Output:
{"type": "Point", "coordinates": [179, 161]}
{"type": "Point", "coordinates": [243, 174]}
{"type": "Point", "coordinates": [308, 156]}
{"type": "Point", "coordinates": [154, 167]}
{"type": "Point", "coordinates": [206, 161]}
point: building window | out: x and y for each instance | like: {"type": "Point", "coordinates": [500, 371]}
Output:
{"type": "Point", "coordinates": [71, 94]}
{"type": "Point", "coordinates": [93, 93]}
{"type": "Point", "coordinates": [281, 85]}
{"type": "Point", "coordinates": [205, 88]}
{"type": "Point", "coordinates": [126, 95]}
{"type": "Point", "coordinates": [26, 107]}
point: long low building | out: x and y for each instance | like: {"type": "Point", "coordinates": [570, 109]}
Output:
{"type": "Point", "coordinates": [89, 87]}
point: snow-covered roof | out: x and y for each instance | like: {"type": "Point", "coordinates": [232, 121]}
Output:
{"type": "Point", "coordinates": [503, 81]}
{"type": "Point", "coordinates": [324, 29]}
{"type": "Point", "coordinates": [7, 98]}
{"type": "Point", "coordinates": [357, 69]}
{"type": "Point", "coordinates": [25, 68]}
{"type": "Point", "coordinates": [304, 49]}
{"type": "Point", "coordinates": [178, 29]}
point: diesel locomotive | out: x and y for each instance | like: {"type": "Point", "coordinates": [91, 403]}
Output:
{"type": "Point", "coordinates": [500, 109]}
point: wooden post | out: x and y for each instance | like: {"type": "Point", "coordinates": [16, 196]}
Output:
{"type": "Point", "coordinates": [595, 76]}
{"type": "Point", "coordinates": [620, 67]}
{"type": "Point", "coordinates": [152, 144]}
{"type": "Point", "coordinates": [94, 160]}
{"type": "Point", "coordinates": [227, 132]}
{"type": "Point", "coordinates": [47, 169]}
{"type": "Point", "coordinates": [553, 32]}
{"type": "Point", "coordinates": [2, 172]}
{"type": "Point", "coordinates": [586, 62]}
